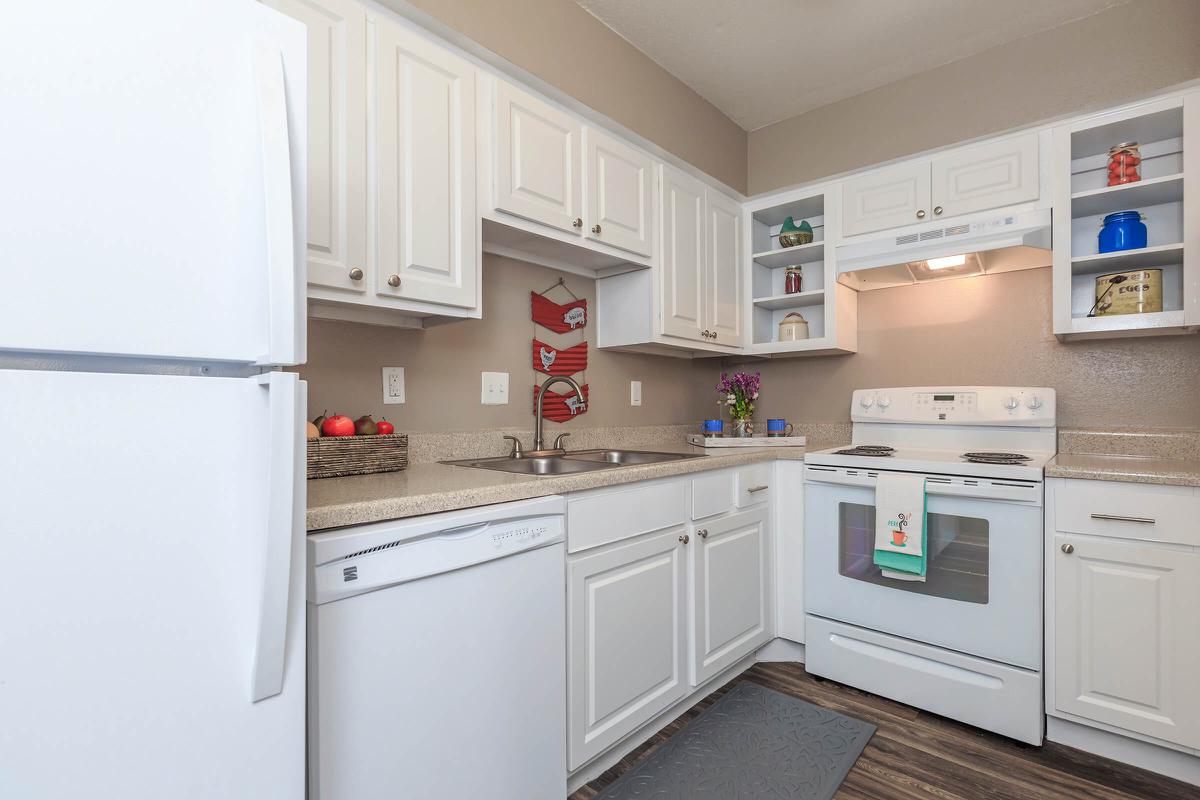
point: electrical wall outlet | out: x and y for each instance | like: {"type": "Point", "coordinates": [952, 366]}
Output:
{"type": "Point", "coordinates": [635, 393]}
{"type": "Point", "coordinates": [393, 385]}
{"type": "Point", "coordinates": [495, 389]}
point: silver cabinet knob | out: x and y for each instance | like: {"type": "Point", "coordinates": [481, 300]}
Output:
{"type": "Point", "coordinates": [937, 210]}
{"type": "Point", "coordinates": [921, 214]}
{"type": "Point", "coordinates": [578, 223]}
{"type": "Point", "coordinates": [703, 534]}
{"type": "Point", "coordinates": [1068, 548]}
{"type": "Point", "coordinates": [685, 538]}
{"type": "Point", "coordinates": [394, 281]}
{"type": "Point", "coordinates": [714, 334]}
{"type": "Point", "coordinates": [356, 274]}
{"type": "Point", "coordinates": [595, 229]}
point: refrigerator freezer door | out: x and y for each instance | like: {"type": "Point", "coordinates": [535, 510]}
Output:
{"type": "Point", "coordinates": [151, 587]}
{"type": "Point", "coordinates": [154, 183]}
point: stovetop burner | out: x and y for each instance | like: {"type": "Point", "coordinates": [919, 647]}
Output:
{"type": "Point", "coordinates": [995, 458]}
{"type": "Point", "coordinates": [872, 450]}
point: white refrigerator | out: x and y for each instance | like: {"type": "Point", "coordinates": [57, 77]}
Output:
{"type": "Point", "coordinates": [152, 281]}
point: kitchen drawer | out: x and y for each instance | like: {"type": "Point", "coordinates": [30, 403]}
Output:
{"type": "Point", "coordinates": [754, 484]}
{"type": "Point", "coordinates": [1127, 510]}
{"type": "Point", "coordinates": [712, 493]}
{"type": "Point", "coordinates": [610, 515]}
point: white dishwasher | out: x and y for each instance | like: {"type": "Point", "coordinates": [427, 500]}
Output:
{"type": "Point", "coordinates": [437, 657]}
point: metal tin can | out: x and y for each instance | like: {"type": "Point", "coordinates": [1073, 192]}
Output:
{"type": "Point", "coordinates": [1136, 292]}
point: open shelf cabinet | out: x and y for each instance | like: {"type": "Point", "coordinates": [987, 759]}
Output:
{"type": "Point", "coordinates": [829, 307]}
{"type": "Point", "coordinates": [1168, 134]}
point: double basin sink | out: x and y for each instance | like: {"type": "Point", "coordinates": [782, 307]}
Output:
{"type": "Point", "coordinates": [573, 462]}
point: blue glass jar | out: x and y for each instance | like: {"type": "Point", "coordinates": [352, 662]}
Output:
{"type": "Point", "coordinates": [1123, 230]}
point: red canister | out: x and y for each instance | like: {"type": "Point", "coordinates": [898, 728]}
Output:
{"type": "Point", "coordinates": [1124, 162]}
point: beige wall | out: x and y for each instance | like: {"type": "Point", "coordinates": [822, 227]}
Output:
{"type": "Point", "coordinates": [992, 330]}
{"type": "Point", "coordinates": [559, 42]}
{"type": "Point", "coordinates": [443, 365]}
{"type": "Point", "coordinates": [1103, 60]}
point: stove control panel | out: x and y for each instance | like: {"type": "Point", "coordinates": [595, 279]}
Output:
{"type": "Point", "coordinates": [1022, 406]}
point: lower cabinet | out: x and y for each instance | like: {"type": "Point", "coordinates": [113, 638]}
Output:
{"type": "Point", "coordinates": [627, 636]}
{"type": "Point", "coordinates": [730, 592]}
{"type": "Point", "coordinates": [1126, 642]}
{"type": "Point", "coordinates": [657, 605]}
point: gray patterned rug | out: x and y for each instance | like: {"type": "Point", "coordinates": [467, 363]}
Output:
{"type": "Point", "coordinates": [753, 743]}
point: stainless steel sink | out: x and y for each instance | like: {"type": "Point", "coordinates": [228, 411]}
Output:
{"type": "Point", "coordinates": [625, 457]}
{"type": "Point", "coordinates": [569, 463]}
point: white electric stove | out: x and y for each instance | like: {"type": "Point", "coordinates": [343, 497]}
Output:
{"type": "Point", "coordinates": [967, 641]}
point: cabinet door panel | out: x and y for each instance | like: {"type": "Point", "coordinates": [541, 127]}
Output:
{"type": "Point", "coordinates": [989, 176]}
{"type": "Point", "coordinates": [723, 255]}
{"type": "Point", "coordinates": [337, 139]}
{"type": "Point", "coordinates": [537, 160]}
{"type": "Point", "coordinates": [1126, 641]}
{"type": "Point", "coordinates": [730, 592]}
{"type": "Point", "coordinates": [886, 199]}
{"type": "Point", "coordinates": [426, 127]}
{"type": "Point", "coordinates": [626, 633]}
{"type": "Point", "coordinates": [619, 194]}
{"type": "Point", "coordinates": [683, 254]}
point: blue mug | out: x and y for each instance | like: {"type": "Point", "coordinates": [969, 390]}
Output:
{"type": "Point", "coordinates": [714, 426]}
{"type": "Point", "coordinates": [779, 427]}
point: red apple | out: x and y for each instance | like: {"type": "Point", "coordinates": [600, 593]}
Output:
{"type": "Point", "coordinates": [384, 427]}
{"type": "Point", "coordinates": [337, 425]}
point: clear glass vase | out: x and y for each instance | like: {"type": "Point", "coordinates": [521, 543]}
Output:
{"type": "Point", "coordinates": [741, 427]}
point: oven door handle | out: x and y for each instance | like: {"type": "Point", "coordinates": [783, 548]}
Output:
{"type": "Point", "coordinates": [983, 489]}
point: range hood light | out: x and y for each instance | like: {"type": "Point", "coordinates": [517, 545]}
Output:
{"type": "Point", "coordinates": [946, 262]}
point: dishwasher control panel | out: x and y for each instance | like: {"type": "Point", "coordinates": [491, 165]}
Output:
{"type": "Point", "coordinates": [393, 561]}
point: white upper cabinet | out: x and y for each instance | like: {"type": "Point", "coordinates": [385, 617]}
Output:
{"type": "Point", "coordinates": [683, 245]}
{"type": "Point", "coordinates": [723, 270]}
{"type": "Point", "coordinates": [991, 175]}
{"type": "Point", "coordinates": [885, 199]}
{"type": "Point", "coordinates": [401, 243]}
{"type": "Point", "coordinates": [620, 193]}
{"type": "Point", "coordinates": [960, 181]}
{"type": "Point", "coordinates": [337, 140]}
{"type": "Point", "coordinates": [428, 249]}
{"type": "Point", "coordinates": [1125, 638]}
{"type": "Point", "coordinates": [536, 160]}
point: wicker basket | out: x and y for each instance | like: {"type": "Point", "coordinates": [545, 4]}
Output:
{"type": "Point", "coordinates": [335, 456]}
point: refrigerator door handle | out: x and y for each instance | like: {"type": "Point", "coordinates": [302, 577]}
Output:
{"type": "Point", "coordinates": [277, 194]}
{"type": "Point", "coordinates": [266, 679]}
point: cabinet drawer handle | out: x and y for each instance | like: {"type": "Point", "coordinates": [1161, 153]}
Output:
{"type": "Point", "coordinates": [578, 223]}
{"type": "Point", "coordinates": [1119, 518]}
{"type": "Point", "coordinates": [703, 534]}
{"type": "Point", "coordinates": [921, 214]}
{"type": "Point", "coordinates": [1068, 548]}
{"type": "Point", "coordinates": [595, 229]}
{"type": "Point", "coordinates": [685, 539]}
{"type": "Point", "coordinates": [394, 281]}
{"type": "Point", "coordinates": [754, 489]}
{"type": "Point", "coordinates": [356, 274]}
{"type": "Point", "coordinates": [937, 210]}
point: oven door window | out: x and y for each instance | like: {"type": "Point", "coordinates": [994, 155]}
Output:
{"type": "Point", "coordinates": [956, 554]}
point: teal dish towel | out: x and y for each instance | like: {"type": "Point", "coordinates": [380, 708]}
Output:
{"type": "Point", "coordinates": [900, 526]}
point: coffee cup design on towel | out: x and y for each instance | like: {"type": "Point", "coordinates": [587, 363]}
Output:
{"type": "Point", "coordinates": [899, 537]}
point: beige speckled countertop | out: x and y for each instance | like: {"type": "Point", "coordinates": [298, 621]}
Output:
{"type": "Point", "coordinates": [1128, 469]}
{"type": "Point", "coordinates": [427, 488]}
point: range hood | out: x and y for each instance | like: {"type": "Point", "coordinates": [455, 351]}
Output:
{"type": "Point", "coordinates": [1003, 242]}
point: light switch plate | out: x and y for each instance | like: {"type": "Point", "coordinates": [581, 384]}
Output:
{"type": "Point", "coordinates": [495, 389]}
{"type": "Point", "coordinates": [393, 385]}
{"type": "Point", "coordinates": [635, 393]}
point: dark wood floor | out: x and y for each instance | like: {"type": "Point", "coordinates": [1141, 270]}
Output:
{"type": "Point", "coordinates": [915, 755]}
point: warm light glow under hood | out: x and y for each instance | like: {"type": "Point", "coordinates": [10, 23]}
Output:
{"type": "Point", "coordinates": [1001, 242]}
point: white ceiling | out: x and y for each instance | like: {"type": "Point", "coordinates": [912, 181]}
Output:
{"type": "Point", "coordinates": [761, 61]}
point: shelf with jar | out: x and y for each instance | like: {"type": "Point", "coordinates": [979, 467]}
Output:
{"type": "Point", "coordinates": [795, 304]}
{"type": "Point", "coordinates": [1124, 246]}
